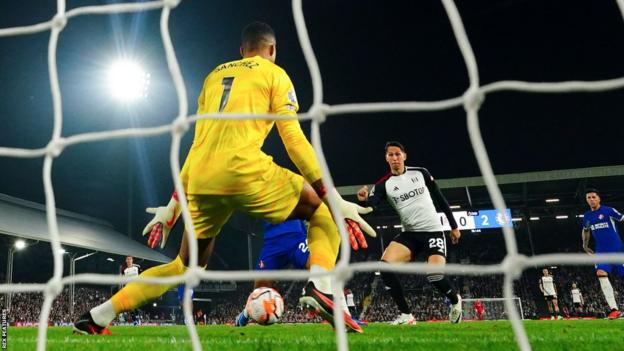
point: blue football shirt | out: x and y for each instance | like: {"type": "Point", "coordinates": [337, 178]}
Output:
{"type": "Point", "coordinates": [601, 222]}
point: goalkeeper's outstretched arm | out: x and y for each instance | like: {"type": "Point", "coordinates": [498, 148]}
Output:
{"type": "Point", "coordinates": [303, 156]}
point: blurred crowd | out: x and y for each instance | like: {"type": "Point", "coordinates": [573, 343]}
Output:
{"type": "Point", "coordinates": [25, 307]}
{"type": "Point", "coordinates": [373, 303]}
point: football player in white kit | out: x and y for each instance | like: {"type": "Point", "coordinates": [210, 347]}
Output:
{"type": "Point", "coordinates": [411, 191]}
{"type": "Point", "coordinates": [547, 286]}
{"type": "Point", "coordinates": [577, 300]}
{"type": "Point", "coordinates": [129, 268]}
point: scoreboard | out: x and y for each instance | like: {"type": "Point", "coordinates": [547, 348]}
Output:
{"type": "Point", "coordinates": [482, 219]}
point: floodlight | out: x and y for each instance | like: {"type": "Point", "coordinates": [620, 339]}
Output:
{"type": "Point", "coordinates": [20, 244]}
{"type": "Point", "coordinates": [127, 81]}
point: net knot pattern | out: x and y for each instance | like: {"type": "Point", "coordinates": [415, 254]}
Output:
{"type": "Point", "coordinates": [473, 98]}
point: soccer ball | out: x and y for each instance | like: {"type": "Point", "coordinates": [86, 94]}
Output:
{"type": "Point", "coordinates": [265, 306]}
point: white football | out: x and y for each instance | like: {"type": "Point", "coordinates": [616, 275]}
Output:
{"type": "Point", "coordinates": [265, 306]}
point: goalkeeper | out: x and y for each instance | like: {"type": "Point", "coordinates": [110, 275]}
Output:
{"type": "Point", "coordinates": [226, 171]}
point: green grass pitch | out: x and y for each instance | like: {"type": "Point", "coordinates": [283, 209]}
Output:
{"type": "Point", "coordinates": [543, 335]}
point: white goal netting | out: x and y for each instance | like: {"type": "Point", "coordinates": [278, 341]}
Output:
{"type": "Point", "coordinates": [471, 100]}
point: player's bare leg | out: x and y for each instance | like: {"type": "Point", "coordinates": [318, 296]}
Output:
{"type": "Point", "coordinates": [205, 248]}
{"type": "Point", "coordinates": [397, 253]}
{"type": "Point", "coordinates": [263, 284]}
{"type": "Point", "coordinates": [550, 309]}
{"type": "Point", "coordinates": [308, 203]}
{"type": "Point", "coordinates": [135, 294]}
{"type": "Point", "coordinates": [555, 304]}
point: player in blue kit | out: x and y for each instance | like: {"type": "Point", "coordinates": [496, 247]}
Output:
{"type": "Point", "coordinates": [285, 244]}
{"type": "Point", "coordinates": [180, 291]}
{"type": "Point", "coordinates": [600, 221]}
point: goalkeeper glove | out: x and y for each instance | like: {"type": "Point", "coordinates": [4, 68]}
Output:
{"type": "Point", "coordinates": [356, 238]}
{"type": "Point", "coordinates": [351, 212]}
{"type": "Point", "coordinates": [164, 219]}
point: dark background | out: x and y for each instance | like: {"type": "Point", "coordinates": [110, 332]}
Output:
{"type": "Point", "coordinates": [368, 51]}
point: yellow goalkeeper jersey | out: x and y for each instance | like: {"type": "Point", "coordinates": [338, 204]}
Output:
{"type": "Point", "coordinates": [226, 156]}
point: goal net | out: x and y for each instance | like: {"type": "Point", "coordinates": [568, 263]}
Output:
{"type": "Point", "coordinates": [471, 100]}
{"type": "Point", "coordinates": [490, 308]}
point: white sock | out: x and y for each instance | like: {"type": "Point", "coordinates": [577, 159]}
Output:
{"type": "Point", "coordinates": [607, 290]}
{"type": "Point", "coordinates": [103, 314]}
{"type": "Point", "coordinates": [343, 304]}
{"type": "Point", "coordinates": [322, 284]}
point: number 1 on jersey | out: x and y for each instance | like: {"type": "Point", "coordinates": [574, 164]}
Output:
{"type": "Point", "coordinates": [227, 87]}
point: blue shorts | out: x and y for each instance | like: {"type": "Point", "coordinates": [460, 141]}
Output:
{"type": "Point", "coordinates": [618, 268]}
{"type": "Point", "coordinates": [608, 267]}
{"type": "Point", "coordinates": [284, 251]}
{"type": "Point", "coordinates": [181, 292]}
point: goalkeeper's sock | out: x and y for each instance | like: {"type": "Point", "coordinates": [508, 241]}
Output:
{"type": "Point", "coordinates": [607, 290]}
{"type": "Point", "coordinates": [343, 304]}
{"type": "Point", "coordinates": [103, 314]}
{"type": "Point", "coordinates": [135, 294]}
{"type": "Point", "coordinates": [442, 284]}
{"type": "Point", "coordinates": [396, 291]}
{"type": "Point", "coordinates": [323, 239]}
{"type": "Point", "coordinates": [322, 284]}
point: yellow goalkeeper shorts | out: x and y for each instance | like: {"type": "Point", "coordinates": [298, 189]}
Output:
{"type": "Point", "coordinates": [272, 200]}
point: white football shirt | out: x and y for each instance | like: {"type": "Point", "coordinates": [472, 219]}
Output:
{"type": "Point", "coordinates": [548, 285]}
{"type": "Point", "coordinates": [576, 296]}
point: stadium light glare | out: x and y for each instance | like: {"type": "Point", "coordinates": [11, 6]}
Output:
{"type": "Point", "coordinates": [561, 217]}
{"type": "Point", "coordinates": [454, 207]}
{"type": "Point", "coordinates": [552, 200]}
{"type": "Point", "coordinates": [127, 81]}
{"type": "Point", "coordinates": [20, 245]}
{"type": "Point", "coordinates": [155, 304]}
{"type": "Point", "coordinates": [516, 219]}
{"type": "Point", "coordinates": [110, 260]}
{"type": "Point", "coordinates": [534, 218]}
{"type": "Point", "coordinates": [580, 216]}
